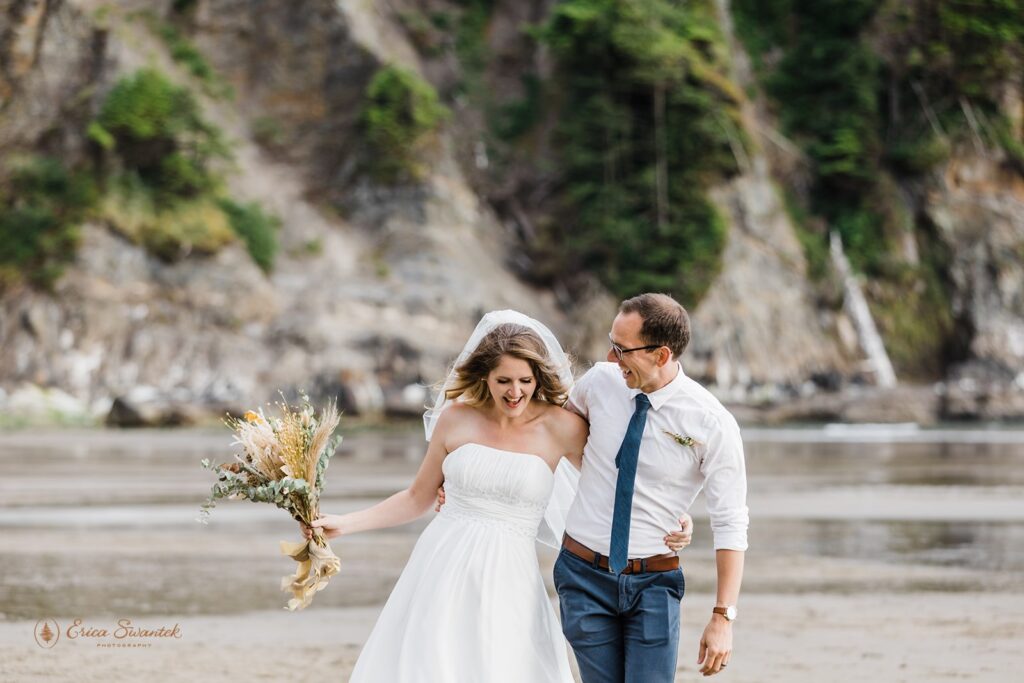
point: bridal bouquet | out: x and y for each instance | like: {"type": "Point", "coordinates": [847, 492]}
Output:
{"type": "Point", "coordinates": [282, 462]}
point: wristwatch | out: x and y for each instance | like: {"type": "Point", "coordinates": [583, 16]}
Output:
{"type": "Point", "coordinates": [728, 612]}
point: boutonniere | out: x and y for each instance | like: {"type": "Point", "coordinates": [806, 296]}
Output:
{"type": "Point", "coordinates": [683, 440]}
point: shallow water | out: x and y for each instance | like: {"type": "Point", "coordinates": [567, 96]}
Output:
{"type": "Point", "coordinates": [104, 522]}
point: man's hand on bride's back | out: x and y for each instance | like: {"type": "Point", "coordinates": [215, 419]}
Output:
{"type": "Point", "coordinates": [440, 499]}
{"type": "Point", "coordinates": [328, 524]}
{"type": "Point", "coordinates": [679, 539]}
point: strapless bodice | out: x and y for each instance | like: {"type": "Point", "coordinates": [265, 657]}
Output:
{"type": "Point", "coordinates": [506, 489]}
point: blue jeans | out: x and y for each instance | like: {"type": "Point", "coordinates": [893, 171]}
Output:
{"type": "Point", "coordinates": [623, 628]}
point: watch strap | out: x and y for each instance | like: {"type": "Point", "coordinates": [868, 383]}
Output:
{"type": "Point", "coordinates": [724, 611]}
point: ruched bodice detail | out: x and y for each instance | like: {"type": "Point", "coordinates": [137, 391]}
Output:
{"type": "Point", "coordinates": [503, 489]}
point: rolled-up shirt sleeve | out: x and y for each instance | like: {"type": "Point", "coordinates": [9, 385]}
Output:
{"type": "Point", "coordinates": [578, 395]}
{"type": "Point", "coordinates": [725, 483]}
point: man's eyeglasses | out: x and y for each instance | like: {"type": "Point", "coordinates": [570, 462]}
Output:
{"type": "Point", "coordinates": [619, 351]}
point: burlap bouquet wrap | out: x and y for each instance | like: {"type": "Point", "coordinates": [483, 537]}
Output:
{"type": "Point", "coordinates": [316, 565]}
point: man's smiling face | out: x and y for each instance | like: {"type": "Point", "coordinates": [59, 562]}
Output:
{"type": "Point", "coordinates": [639, 368]}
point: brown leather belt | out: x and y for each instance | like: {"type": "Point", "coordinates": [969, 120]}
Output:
{"type": "Point", "coordinates": [657, 563]}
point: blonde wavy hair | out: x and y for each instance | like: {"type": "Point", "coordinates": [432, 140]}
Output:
{"type": "Point", "coordinates": [512, 340]}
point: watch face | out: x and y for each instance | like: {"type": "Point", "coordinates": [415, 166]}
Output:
{"type": "Point", "coordinates": [730, 612]}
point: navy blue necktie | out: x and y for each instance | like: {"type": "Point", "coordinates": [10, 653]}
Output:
{"type": "Point", "coordinates": [625, 460]}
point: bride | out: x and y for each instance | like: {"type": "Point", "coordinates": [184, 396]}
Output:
{"type": "Point", "coordinates": [471, 603]}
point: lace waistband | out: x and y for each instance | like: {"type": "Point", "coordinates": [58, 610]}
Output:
{"type": "Point", "coordinates": [501, 513]}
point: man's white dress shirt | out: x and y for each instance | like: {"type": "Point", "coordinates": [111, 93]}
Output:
{"type": "Point", "coordinates": [669, 475]}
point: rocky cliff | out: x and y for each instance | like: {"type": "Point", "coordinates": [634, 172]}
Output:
{"type": "Point", "coordinates": [365, 305]}
{"type": "Point", "coordinates": [377, 281]}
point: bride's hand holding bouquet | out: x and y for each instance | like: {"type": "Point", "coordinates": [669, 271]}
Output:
{"type": "Point", "coordinates": [331, 526]}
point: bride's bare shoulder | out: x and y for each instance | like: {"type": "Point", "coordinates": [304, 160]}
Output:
{"type": "Point", "coordinates": [455, 417]}
{"type": "Point", "coordinates": [460, 412]}
{"type": "Point", "coordinates": [563, 420]}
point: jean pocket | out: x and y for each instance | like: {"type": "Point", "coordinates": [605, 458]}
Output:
{"type": "Point", "coordinates": [558, 571]}
{"type": "Point", "coordinates": [673, 582]}
{"type": "Point", "coordinates": [659, 608]}
{"type": "Point", "coordinates": [583, 622]}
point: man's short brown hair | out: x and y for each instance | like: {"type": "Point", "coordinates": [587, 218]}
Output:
{"type": "Point", "coordinates": [665, 321]}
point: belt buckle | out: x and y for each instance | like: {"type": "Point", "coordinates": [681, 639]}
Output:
{"type": "Point", "coordinates": [636, 565]}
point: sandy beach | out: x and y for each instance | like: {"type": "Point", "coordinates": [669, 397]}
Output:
{"type": "Point", "coordinates": [802, 637]}
{"type": "Point", "coordinates": [911, 576]}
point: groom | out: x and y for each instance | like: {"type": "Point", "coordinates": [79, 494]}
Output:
{"type": "Point", "coordinates": [656, 439]}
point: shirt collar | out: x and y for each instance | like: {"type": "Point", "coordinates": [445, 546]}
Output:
{"type": "Point", "coordinates": [661, 396]}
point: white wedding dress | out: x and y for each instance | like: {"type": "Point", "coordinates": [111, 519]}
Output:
{"type": "Point", "coordinates": [471, 605]}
